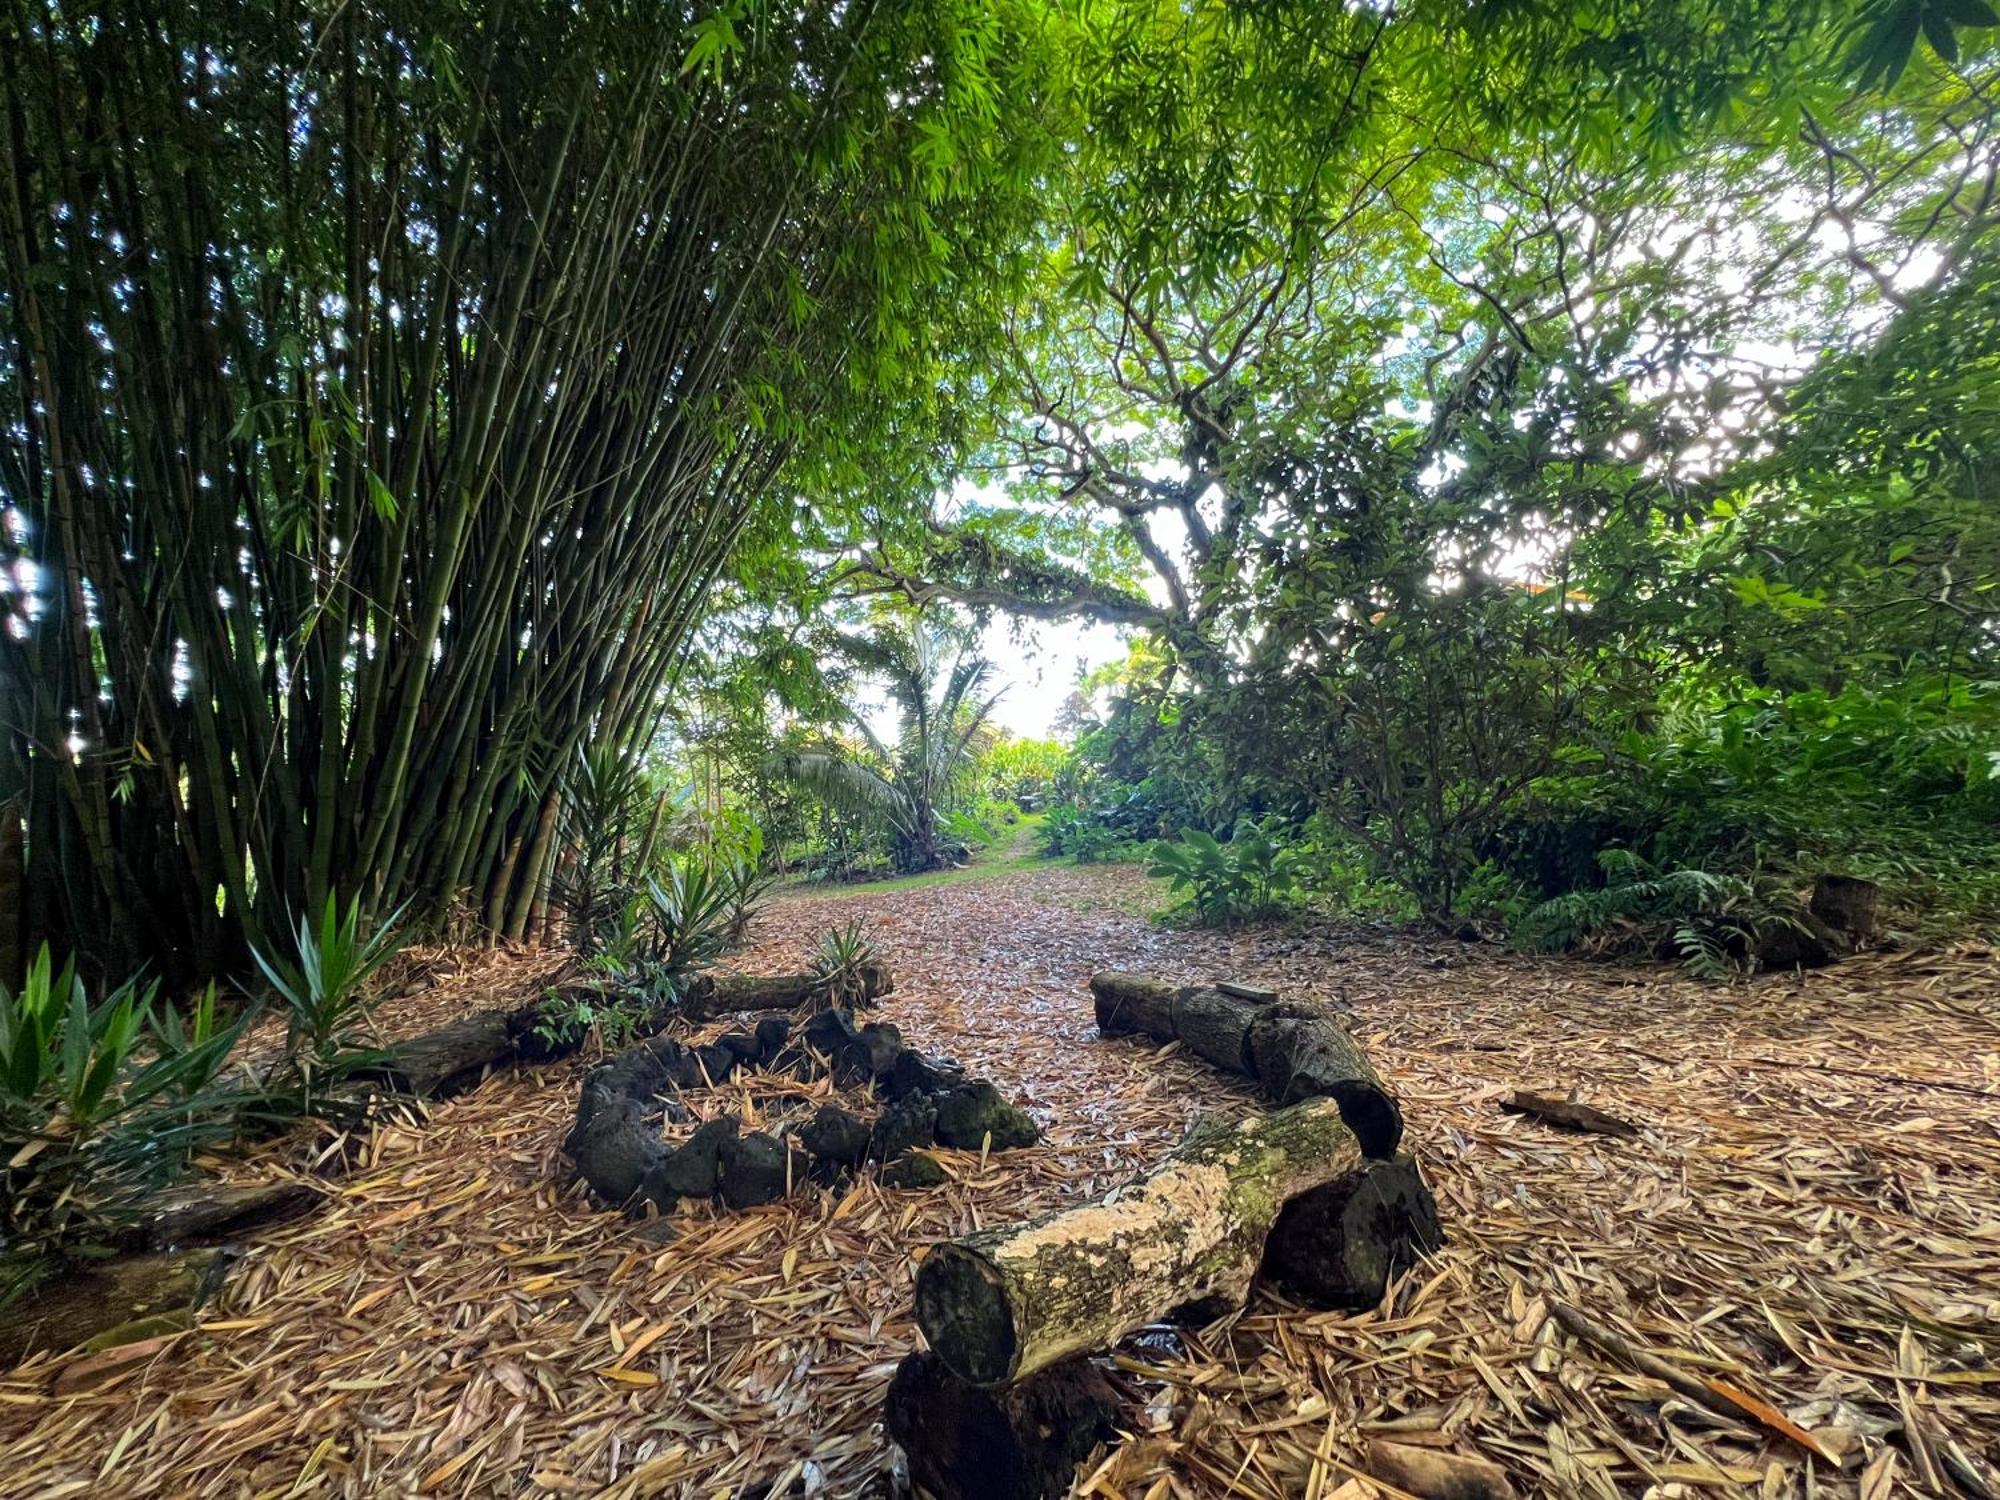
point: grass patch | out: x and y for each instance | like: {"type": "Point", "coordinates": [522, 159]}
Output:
{"type": "Point", "coordinates": [1011, 855]}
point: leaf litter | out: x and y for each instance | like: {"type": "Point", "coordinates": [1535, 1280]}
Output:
{"type": "Point", "coordinates": [1790, 1278]}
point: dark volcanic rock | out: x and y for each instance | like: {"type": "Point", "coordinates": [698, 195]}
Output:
{"type": "Point", "coordinates": [903, 1126]}
{"type": "Point", "coordinates": [914, 1169]}
{"type": "Point", "coordinates": [836, 1137]}
{"type": "Point", "coordinates": [919, 1073]}
{"type": "Point", "coordinates": [772, 1034]}
{"type": "Point", "coordinates": [691, 1171]}
{"type": "Point", "coordinates": [616, 1151]}
{"type": "Point", "coordinates": [758, 1169]}
{"type": "Point", "coordinates": [717, 1061]}
{"type": "Point", "coordinates": [741, 1044]}
{"type": "Point", "coordinates": [969, 1112]}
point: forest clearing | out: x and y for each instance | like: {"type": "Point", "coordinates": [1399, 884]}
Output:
{"type": "Point", "coordinates": [1806, 1214]}
{"type": "Point", "coordinates": [992, 749]}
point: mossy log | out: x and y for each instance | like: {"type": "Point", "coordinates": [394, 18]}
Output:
{"type": "Point", "coordinates": [1293, 1051]}
{"type": "Point", "coordinates": [1002, 1303]}
{"type": "Point", "coordinates": [717, 995]}
{"type": "Point", "coordinates": [1023, 1443]}
{"type": "Point", "coordinates": [79, 1305]}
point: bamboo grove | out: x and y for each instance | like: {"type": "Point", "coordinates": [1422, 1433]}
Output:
{"type": "Point", "coordinates": [385, 385]}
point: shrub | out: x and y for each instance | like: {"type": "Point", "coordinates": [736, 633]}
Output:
{"type": "Point", "coordinates": [95, 1101]}
{"type": "Point", "coordinates": [1251, 876]}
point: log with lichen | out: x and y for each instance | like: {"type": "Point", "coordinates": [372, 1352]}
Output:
{"type": "Point", "coordinates": [715, 995]}
{"type": "Point", "coordinates": [1294, 1052]}
{"type": "Point", "coordinates": [1002, 1303]}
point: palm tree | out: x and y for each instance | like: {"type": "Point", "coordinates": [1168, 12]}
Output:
{"type": "Point", "coordinates": [940, 687]}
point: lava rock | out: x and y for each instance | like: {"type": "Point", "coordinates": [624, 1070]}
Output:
{"type": "Point", "coordinates": [872, 1054]}
{"type": "Point", "coordinates": [772, 1034]}
{"type": "Point", "coordinates": [903, 1126]}
{"type": "Point", "coordinates": [741, 1044]}
{"type": "Point", "coordinates": [914, 1169]}
{"type": "Point", "coordinates": [829, 1031]}
{"type": "Point", "coordinates": [691, 1172]}
{"type": "Point", "coordinates": [836, 1137]}
{"type": "Point", "coordinates": [617, 1151]}
{"type": "Point", "coordinates": [968, 1113]}
{"type": "Point", "coordinates": [758, 1169]}
{"type": "Point", "coordinates": [717, 1061]}
{"type": "Point", "coordinates": [919, 1073]}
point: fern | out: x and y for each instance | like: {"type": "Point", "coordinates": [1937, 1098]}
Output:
{"type": "Point", "coordinates": [1712, 917]}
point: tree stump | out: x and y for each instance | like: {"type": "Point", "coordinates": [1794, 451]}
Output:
{"type": "Point", "coordinates": [1849, 905]}
{"type": "Point", "coordinates": [1003, 1303]}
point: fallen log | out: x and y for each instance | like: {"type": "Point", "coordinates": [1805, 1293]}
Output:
{"type": "Point", "coordinates": [1308, 1057]}
{"type": "Point", "coordinates": [447, 1061]}
{"type": "Point", "coordinates": [1338, 1245]}
{"type": "Point", "coordinates": [1293, 1052]}
{"type": "Point", "coordinates": [716, 995]}
{"type": "Point", "coordinates": [1134, 1004]}
{"type": "Point", "coordinates": [1003, 1303]}
{"type": "Point", "coordinates": [200, 1213]}
{"type": "Point", "coordinates": [1022, 1443]}
{"type": "Point", "coordinates": [88, 1301]}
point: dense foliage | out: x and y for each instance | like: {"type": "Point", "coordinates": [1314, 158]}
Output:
{"type": "Point", "coordinates": [471, 462]}
{"type": "Point", "coordinates": [1505, 464]}
{"type": "Point", "coordinates": [386, 384]}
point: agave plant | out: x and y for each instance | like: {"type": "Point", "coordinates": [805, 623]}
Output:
{"type": "Point", "coordinates": [941, 689]}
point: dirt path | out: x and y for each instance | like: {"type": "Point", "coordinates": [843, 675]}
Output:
{"type": "Point", "coordinates": [459, 1323]}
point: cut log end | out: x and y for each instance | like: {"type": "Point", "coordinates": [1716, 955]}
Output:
{"type": "Point", "coordinates": [1338, 1245]}
{"type": "Point", "coordinates": [963, 1309]}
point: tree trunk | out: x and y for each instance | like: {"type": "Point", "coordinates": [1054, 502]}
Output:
{"type": "Point", "coordinates": [1292, 1051]}
{"type": "Point", "coordinates": [1003, 1303]}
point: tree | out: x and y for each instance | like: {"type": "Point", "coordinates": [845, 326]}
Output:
{"type": "Point", "coordinates": [940, 688]}
{"type": "Point", "coordinates": [1340, 412]}
{"type": "Point", "coordinates": [388, 383]}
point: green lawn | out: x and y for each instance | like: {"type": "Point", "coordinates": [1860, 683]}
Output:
{"type": "Point", "coordinates": [1015, 852]}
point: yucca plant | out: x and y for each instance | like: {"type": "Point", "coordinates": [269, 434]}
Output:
{"type": "Point", "coordinates": [690, 905]}
{"type": "Point", "coordinates": [96, 1099]}
{"type": "Point", "coordinates": [844, 963]}
{"type": "Point", "coordinates": [324, 984]}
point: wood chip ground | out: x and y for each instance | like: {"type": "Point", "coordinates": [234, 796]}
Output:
{"type": "Point", "coordinates": [1810, 1219]}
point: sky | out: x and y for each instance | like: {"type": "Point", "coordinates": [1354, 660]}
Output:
{"type": "Point", "coordinates": [1039, 660]}
{"type": "Point", "coordinates": [1036, 662]}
